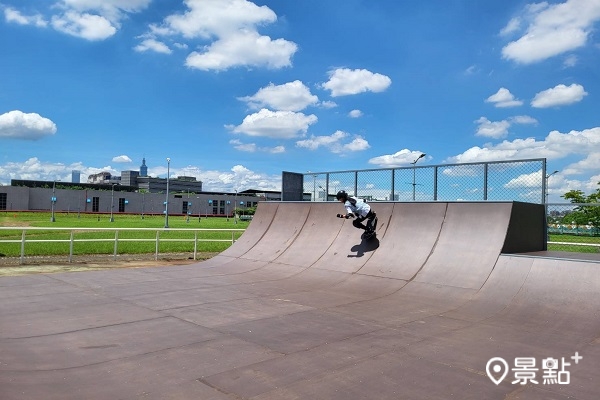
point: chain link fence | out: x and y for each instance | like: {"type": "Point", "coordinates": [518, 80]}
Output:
{"type": "Point", "coordinates": [571, 227]}
{"type": "Point", "coordinates": [522, 180]}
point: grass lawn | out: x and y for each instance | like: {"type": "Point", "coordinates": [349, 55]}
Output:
{"type": "Point", "coordinates": [102, 241]}
{"type": "Point", "coordinates": [574, 239]}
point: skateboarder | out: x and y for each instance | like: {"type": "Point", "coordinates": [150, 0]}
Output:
{"type": "Point", "coordinates": [361, 210]}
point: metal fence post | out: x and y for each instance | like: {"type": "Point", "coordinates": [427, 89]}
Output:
{"type": "Point", "coordinates": [71, 248]}
{"type": "Point", "coordinates": [116, 244]}
{"type": "Point", "coordinates": [435, 183]}
{"type": "Point", "coordinates": [485, 181]}
{"type": "Point", "coordinates": [156, 250]}
{"type": "Point", "coordinates": [22, 247]}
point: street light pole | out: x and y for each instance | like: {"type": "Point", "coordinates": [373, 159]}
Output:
{"type": "Point", "coordinates": [52, 201]}
{"type": "Point", "coordinates": [414, 183]}
{"type": "Point", "coordinates": [112, 202]}
{"type": "Point", "coordinates": [167, 197]}
{"type": "Point", "coordinates": [547, 180]}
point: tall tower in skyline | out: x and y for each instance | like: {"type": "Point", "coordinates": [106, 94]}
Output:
{"type": "Point", "coordinates": [75, 176]}
{"type": "Point", "coordinates": [143, 168]}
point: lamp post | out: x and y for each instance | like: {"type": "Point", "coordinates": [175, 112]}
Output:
{"type": "Point", "coordinates": [112, 202]}
{"type": "Point", "coordinates": [414, 183]}
{"type": "Point", "coordinates": [167, 197]}
{"type": "Point", "coordinates": [547, 180]}
{"type": "Point", "coordinates": [52, 201]}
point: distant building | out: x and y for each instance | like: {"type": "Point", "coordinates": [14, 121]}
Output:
{"type": "Point", "coordinates": [143, 168]}
{"type": "Point", "coordinates": [75, 176]}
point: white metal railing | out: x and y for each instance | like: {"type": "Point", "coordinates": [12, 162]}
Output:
{"type": "Point", "coordinates": [72, 239]}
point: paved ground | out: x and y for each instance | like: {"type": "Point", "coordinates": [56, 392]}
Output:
{"type": "Point", "coordinates": [301, 308]}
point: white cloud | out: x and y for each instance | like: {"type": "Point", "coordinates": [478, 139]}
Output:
{"type": "Point", "coordinates": [570, 61]}
{"type": "Point", "coordinates": [499, 129]}
{"type": "Point", "coordinates": [492, 129]}
{"type": "Point", "coordinates": [230, 28]}
{"type": "Point", "coordinates": [559, 95]}
{"type": "Point", "coordinates": [334, 143]}
{"type": "Point", "coordinates": [30, 126]}
{"type": "Point", "coordinates": [590, 163]}
{"type": "Point", "coordinates": [275, 124]}
{"type": "Point", "coordinates": [552, 29]}
{"type": "Point", "coordinates": [400, 158]}
{"type": "Point", "coordinates": [355, 114]}
{"type": "Point", "coordinates": [504, 98]}
{"type": "Point", "coordinates": [87, 19]}
{"type": "Point", "coordinates": [513, 26]}
{"type": "Point", "coordinates": [357, 144]}
{"type": "Point", "coordinates": [291, 96]}
{"type": "Point", "coordinates": [237, 178]}
{"type": "Point", "coordinates": [328, 104]}
{"type": "Point", "coordinates": [85, 26]}
{"type": "Point", "coordinates": [217, 18]}
{"type": "Point", "coordinates": [244, 48]}
{"type": "Point", "coordinates": [153, 45]}
{"type": "Point", "coordinates": [532, 180]}
{"type": "Point", "coordinates": [253, 147]}
{"type": "Point", "coordinates": [36, 169]}
{"type": "Point", "coordinates": [122, 159]}
{"type": "Point", "coordinates": [556, 145]}
{"type": "Point", "coordinates": [12, 15]}
{"type": "Point", "coordinates": [344, 82]}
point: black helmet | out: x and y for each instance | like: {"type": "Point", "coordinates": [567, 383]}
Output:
{"type": "Point", "coordinates": [341, 195]}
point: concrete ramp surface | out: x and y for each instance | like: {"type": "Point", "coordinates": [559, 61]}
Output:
{"type": "Point", "coordinates": [449, 300]}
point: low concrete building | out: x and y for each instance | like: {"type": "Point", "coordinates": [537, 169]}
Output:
{"type": "Point", "coordinates": [113, 198]}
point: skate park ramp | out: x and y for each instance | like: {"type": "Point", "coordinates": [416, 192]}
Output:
{"type": "Point", "coordinates": [301, 308]}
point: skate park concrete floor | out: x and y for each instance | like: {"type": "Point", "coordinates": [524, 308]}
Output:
{"type": "Point", "coordinates": [299, 308]}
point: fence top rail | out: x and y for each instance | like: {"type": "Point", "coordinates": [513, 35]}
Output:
{"type": "Point", "coordinates": [54, 228]}
{"type": "Point", "coordinates": [574, 204]}
{"type": "Point", "coordinates": [427, 166]}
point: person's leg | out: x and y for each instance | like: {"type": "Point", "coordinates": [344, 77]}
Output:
{"type": "Point", "coordinates": [370, 220]}
{"type": "Point", "coordinates": [358, 223]}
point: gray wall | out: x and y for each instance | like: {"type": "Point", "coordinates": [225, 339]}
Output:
{"type": "Point", "coordinates": [39, 199]}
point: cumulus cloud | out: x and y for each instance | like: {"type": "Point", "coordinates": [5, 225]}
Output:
{"type": "Point", "coordinates": [291, 96]}
{"type": "Point", "coordinates": [504, 98]}
{"type": "Point", "coordinates": [229, 31]}
{"type": "Point", "coordinates": [559, 95]}
{"type": "Point", "coordinates": [400, 158]}
{"type": "Point", "coordinates": [246, 48]}
{"type": "Point", "coordinates": [275, 124]}
{"type": "Point", "coordinates": [122, 159]}
{"type": "Point", "coordinates": [85, 26]}
{"type": "Point", "coordinates": [237, 178]}
{"type": "Point", "coordinates": [87, 19]}
{"type": "Point", "coordinates": [253, 147]}
{"type": "Point", "coordinates": [15, 16]}
{"type": "Point", "coordinates": [556, 145]}
{"type": "Point", "coordinates": [355, 114]}
{"type": "Point", "coordinates": [499, 129]}
{"type": "Point", "coordinates": [334, 143]}
{"type": "Point", "coordinates": [551, 29]}
{"type": "Point", "coordinates": [30, 126]}
{"type": "Point", "coordinates": [492, 129]}
{"type": "Point", "coordinates": [153, 45]}
{"type": "Point", "coordinates": [344, 82]}
{"type": "Point", "coordinates": [36, 169]}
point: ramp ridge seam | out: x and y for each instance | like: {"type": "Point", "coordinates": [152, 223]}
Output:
{"type": "Point", "coordinates": [310, 208]}
{"type": "Point", "coordinates": [389, 220]}
{"type": "Point", "coordinates": [433, 247]}
{"type": "Point", "coordinates": [263, 234]}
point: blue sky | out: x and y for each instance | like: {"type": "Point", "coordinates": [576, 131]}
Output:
{"type": "Point", "coordinates": [234, 91]}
